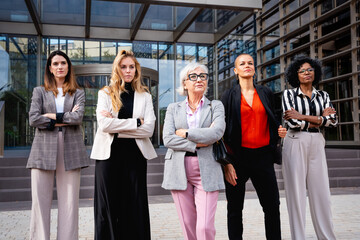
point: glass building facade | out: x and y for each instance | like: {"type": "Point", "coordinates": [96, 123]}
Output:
{"type": "Point", "coordinates": [327, 30]}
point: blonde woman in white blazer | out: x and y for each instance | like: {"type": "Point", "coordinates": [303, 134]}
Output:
{"type": "Point", "coordinates": [126, 120]}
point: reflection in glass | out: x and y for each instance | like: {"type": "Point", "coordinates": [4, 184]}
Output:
{"type": "Point", "coordinates": [272, 70]}
{"type": "Point", "coordinates": [63, 12]}
{"type": "Point", "coordinates": [14, 11]}
{"type": "Point", "coordinates": [224, 16]}
{"type": "Point", "coordinates": [181, 13]}
{"type": "Point", "coordinates": [158, 17]}
{"type": "Point", "coordinates": [272, 19]}
{"type": "Point", "coordinates": [110, 14]}
{"type": "Point", "coordinates": [92, 51]}
{"type": "Point", "coordinates": [274, 85]}
{"type": "Point", "coordinates": [272, 53]}
{"type": "Point", "coordinates": [300, 40]}
{"type": "Point", "coordinates": [108, 51]}
{"type": "Point", "coordinates": [18, 77]}
{"type": "Point", "coordinates": [272, 36]}
{"type": "Point", "coordinates": [203, 23]}
{"type": "Point", "coordinates": [76, 50]}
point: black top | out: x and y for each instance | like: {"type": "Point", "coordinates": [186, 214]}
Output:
{"type": "Point", "coordinates": [125, 147]}
{"type": "Point", "coordinates": [127, 99]}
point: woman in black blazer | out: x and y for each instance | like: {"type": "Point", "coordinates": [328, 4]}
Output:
{"type": "Point", "coordinates": [251, 134]}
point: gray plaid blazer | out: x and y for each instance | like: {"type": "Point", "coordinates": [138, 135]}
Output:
{"type": "Point", "coordinates": [44, 148]}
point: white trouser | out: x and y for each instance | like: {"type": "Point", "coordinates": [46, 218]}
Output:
{"type": "Point", "coordinates": [68, 186]}
{"type": "Point", "coordinates": [304, 167]}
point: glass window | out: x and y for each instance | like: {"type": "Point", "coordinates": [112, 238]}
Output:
{"type": "Point", "coordinates": [76, 50]}
{"type": "Point", "coordinates": [272, 70]}
{"type": "Point", "coordinates": [299, 40]}
{"type": "Point", "coordinates": [158, 17]}
{"type": "Point", "coordinates": [334, 23]}
{"type": "Point", "coordinates": [305, 18]}
{"type": "Point", "coordinates": [18, 78]}
{"type": "Point", "coordinates": [14, 11]}
{"type": "Point", "coordinates": [293, 25]}
{"type": "Point", "coordinates": [2, 43]}
{"type": "Point", "coordinates": [203, 23]}
{"type": "Point", "coordinates": [270, 4]}
{"type": "Point", "coordinates": [63, 12]}
{"type": "Point", "coordinates": [272, 53]}
{"type": "Point", "coordinates": [272, 36]}
{"type": "Point", "coordinates": [110, 14]}
{"type": "Point", "coordinates": [92, 51]}
{"type": "Point", "coordinates": [124, 46]}
{"type": "Point", "coordinates": [326, 6]}
{"type": "Point", "coordinates": [36, 4]}
{"type": "Point", "coordinates": [332, 134]}
{"type": "Point", "coordinates": [274, 85]}
{"type": "Point", "coordinates": [108, 51]}
{"type": "Point", "coordinates": [338, 44]}
{"type": "Point", "coordinates": [18, 47]}
{"type": "Point", "coordinates": [224, 16]}
{"type": "Point", "coordinates": [272, 19]}
{"type": "Point", "coordinates": [181, 13]}
{"type": "Point", "coordinates": [345, 88]}
{"type": "Point", "coordinates": [331, 89]}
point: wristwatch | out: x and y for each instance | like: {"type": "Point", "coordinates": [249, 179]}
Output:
{"type": "Point", "coordinates": [138, 122]}
{"type": "Point", "coordinates": [186, 134]}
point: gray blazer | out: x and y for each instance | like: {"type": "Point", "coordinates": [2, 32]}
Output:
{"type": "Point", "coordinates": [210, 171]}
{"type": "Point", "coordinates": [44, 147]}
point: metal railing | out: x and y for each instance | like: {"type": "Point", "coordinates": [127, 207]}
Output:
{"type": "Point", "coordinates": [2, 126]}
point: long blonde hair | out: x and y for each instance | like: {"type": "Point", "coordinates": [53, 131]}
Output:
{"type": "Point", "coordinates": [117, 84]}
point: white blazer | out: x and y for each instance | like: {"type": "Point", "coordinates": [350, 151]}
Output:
{"type": "Point", "coordinates": [126, 128]}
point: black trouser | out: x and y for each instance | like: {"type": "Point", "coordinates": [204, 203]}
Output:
{"type": "Point", "coordinates": [256, 164]}
{"type": "Point", "coordinates": [120, 202]}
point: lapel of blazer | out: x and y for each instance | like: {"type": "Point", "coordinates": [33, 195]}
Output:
{"type": "Point", "coordinates": [236, 96]}
{"type": "Point", "coordinates": [206, 110]}
{"type": "Point", "coordinates": [181, 115]}
{"type": "Point", "coordinates": [265, 101]}
{"type": "Point", "coordinates": [137, 104]}
{"type": "Point", "coordinates": [51, 98]}
{"type": "Point", "coordinates": [68, 102]}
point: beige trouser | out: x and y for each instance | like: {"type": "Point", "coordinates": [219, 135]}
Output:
{"type": "Point", "coordinates": [304, 167]}
{"type": "Point", "coordinates": [68, 186]}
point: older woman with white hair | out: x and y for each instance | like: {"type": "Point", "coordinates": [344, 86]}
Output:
{"type": "Point", "coordinates": [191, 172]}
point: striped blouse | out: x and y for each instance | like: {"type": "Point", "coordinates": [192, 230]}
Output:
{"type": "Point", "coordinates": [295, 98]}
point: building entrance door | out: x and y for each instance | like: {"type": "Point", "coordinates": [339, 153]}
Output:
{"type": "Point", "coordinates": [92, 77]}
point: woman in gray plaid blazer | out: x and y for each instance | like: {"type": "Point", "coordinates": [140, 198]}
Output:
{"type": "Point", "coordinates": [56, 111]}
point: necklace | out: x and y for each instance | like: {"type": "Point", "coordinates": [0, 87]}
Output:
{"type": "Point", "coordinates": [191, 107]}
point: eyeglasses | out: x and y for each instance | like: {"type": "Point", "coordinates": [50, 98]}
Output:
{"type": "Point", "coordinates": [202, 76]}
{"type": "Point", "coordinates": [309, 70]}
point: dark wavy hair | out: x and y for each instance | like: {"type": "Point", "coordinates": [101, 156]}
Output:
{"type": "Point", "coordinates": [70, 85]}
{"type": "Point", "coordinates": [291, 73]}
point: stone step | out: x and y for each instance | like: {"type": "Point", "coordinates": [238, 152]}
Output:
{"type": "Point", "coordinates": [345, 162]}
{"type": "Point", "coordinates": [337, 182]}
{"type": "Point", "coordinates": [344, 172]}
{"type": "Point", "coordinates": [332, 153]}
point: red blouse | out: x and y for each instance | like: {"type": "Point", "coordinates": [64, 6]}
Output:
{"type": "Point", "coordinates": [254, 123]}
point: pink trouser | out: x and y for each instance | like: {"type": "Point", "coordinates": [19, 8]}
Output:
{"type": "Point", "coordinates": [68, 186]}
{"type": "Point", "coordinates": [196, 208]}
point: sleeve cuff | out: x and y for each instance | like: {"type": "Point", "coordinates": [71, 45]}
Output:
{"type": "Point", "coordinates": [59, 117]}
{"type": "Point", "coordinates": [51, 125]}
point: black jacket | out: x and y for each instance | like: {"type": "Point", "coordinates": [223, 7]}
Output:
{"type": "Point", "coordinates": [231, 100]}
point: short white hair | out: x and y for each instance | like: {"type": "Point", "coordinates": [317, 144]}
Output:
{"type": "Point", "coordinates": [184, 75]}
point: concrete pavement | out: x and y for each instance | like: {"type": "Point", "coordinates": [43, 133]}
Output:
{"type": "Point", "coordinates": [15, 218]}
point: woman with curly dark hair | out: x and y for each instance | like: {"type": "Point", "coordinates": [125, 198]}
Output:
{"type": "Point", "coordinates": [306, 111]}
